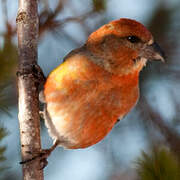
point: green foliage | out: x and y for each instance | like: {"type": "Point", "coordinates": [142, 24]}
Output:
{"type": "Point", "coordinates": [8, 64]}
{"type": "Point", "coordinates": [3, 133]}
{"type": "Point", "coordinates": [99, 5]}
{"type": "Point", "coordinates": [161, 164]}
{"type": "Point", "coordinates": [8, 60]}
{"type": "Point", "coordinates": [6, 98]}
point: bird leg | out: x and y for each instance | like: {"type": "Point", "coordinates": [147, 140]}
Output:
{"type": "Point", "coordinates": [42, 155]}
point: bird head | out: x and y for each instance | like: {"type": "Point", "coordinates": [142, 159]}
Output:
{"type": "Point", "coordinates": [123, 46]}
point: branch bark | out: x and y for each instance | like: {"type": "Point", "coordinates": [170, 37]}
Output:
{"type": "Point", "coordinates": [29, 121]}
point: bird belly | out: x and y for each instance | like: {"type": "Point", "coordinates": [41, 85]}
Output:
{"type": "Point", "coordinates": [83, 119]}
{"type": "Point", "coordinates": [84, 102]}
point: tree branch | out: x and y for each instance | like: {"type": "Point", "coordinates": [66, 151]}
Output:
{"type": "Point", "coordinates": [27, 31]}
{"type": "Point", "coordinates": [170, 135]}
{"type": "Point", "coordinates": [51, 24]}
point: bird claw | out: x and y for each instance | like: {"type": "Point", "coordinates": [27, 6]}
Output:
{"type": "Point", "coordinates": [43, 163]}
{"type": "Point", "coordinates": [38, 73]}
{"type": "Point", "coordinates": [32, 69]}
{"type": "Point", "coordinates": [41, 156]}
{"type": "Point", "coordinates": [41, 113]}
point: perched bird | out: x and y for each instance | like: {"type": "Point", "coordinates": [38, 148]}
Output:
{"type": "Point", "coordinates": [97, 84]}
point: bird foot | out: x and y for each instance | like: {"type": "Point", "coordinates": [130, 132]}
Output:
{"type": "Point", "coordinates": [41, 156]}
{"type": "Point", "coordinates": [32, 70]}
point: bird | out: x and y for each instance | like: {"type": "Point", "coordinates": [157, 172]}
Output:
{"type": "Point", "coordinates": [98, 83]}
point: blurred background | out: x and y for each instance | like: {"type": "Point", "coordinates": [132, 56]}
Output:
{"type": "Point", "coordinates": [146, 143]}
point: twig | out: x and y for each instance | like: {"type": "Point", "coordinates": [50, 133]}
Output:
{"type": "Point", "coordinates": [170, 135]}
{"type": "Point", "coordinates": [49, 17]}
{"type": "Point", "coordinates": [57, 34]}
{"type": "Point", "coordinates": [29, 120]}
{"type": "Point", "coordinates": [51, 24]}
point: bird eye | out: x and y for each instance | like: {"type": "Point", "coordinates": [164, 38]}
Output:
{"type": "Point", "coordinates": [133, 39]}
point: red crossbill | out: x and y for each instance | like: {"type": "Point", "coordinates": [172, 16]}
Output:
{"type": "Point", "coordinates": [97, 83]}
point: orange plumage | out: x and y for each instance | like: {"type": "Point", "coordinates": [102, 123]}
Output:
{"type": "Point", "coordinates": [97, 83]}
